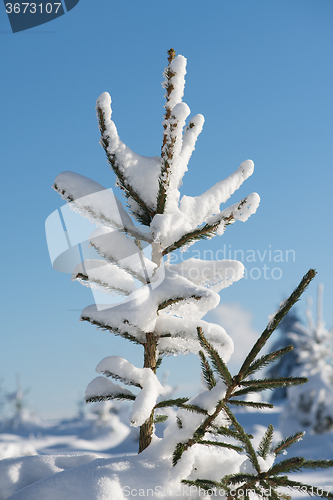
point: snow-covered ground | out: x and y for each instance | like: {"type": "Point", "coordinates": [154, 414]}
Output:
{"type": "Point", "coordinates": [84, 457]}
{"type": "Point", "coordinates": [99, 431]}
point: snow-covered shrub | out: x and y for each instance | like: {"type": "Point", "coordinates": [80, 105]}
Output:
{"type": "Point", "coordinates": [311, 406]}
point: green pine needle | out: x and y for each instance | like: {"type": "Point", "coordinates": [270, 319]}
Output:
{"type": "Point", "coordinates": [317, 464]}
{"type": "Point", "coordinates": [260, 363]}
{"type": "Point", "coordinates": [244, 438]}
{"type": "Point", "coordinates": [179, 450]}
{"type": "Point", "coordinates": [293, 464]}
{"type": "Point", "coordinates": [240, 477]}
{"type": "Point", "coordinates": [216, 359]}
{"type": "Point", "coordinates": [204, 484]}
{"type": "Point", "coordinates": [119, 397]}
{"type": "Point", "coordinates": [222, 445]}
{"type": "Point", "coordinates": [273, 493]}
{"type": "Point", "coordinates": [225, 431]}
{"type": "Point", "coordinates": [266, 442]}
{"type": "Point", "coordinates": [171, 402]}
{"type": "Point", "coordinates": [274, 322]}
{"type": "Point", "coordinates": [112, 329]}
{"type": "Point", "coordinates": [159, 419]}
{"type": "Point", "coordinates": [204, 232]}
{"type": "Point", "coordinates": [285, 482]}
{"type": "Point", "coordinates": [179, 422]}
{"type": "Point", "coordinates": [121, 379]}
{"type": "Point", "coordinates": [253, 404]}
{"type": "Point", "coordinates": [175, 300]}
{"type": "Point", "coordinates": [267, 382]}
{"type": "Point", "coordinates": [288, 441]}
{"type": "Point", "coordinates": [207, 371]}
{"type": "Point", "coordinates": [262, 385]}
{"type": "Point", "coordinates": [198, 434]}
{"type": "Point", "coordinates": [195, 408]}
{"type": "Point", "coordinates": [144, 214]}
{"type": "Point", "coordinates": [159, 361]}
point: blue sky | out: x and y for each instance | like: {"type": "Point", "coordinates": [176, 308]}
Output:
{"type": "Point", "coordinates": [261, 74]}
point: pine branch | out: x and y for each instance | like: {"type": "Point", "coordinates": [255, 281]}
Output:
{"type": "Point", "coordinates": [225, 431]}
{"type": "Point", "coordinates": [283, 381]}
{"type": "Point", "coordinates": [207, 372]}
{"type": "Point", "coordinates": [253, 404]}
{"type": "Point", "coordinates": [317, 464]}
{"type": "Point", "coordinates": [273, 493]}
{"type": "Point", "coordinates": [261, 385]}
{"type": "Point", "coordinates": [159, 419]}
{"type": "Point", "coordinates": [146, 214]}
{"type": "Point", "coordinates": [240, 477]}
{"type": "Point", "coordinates": [302, 487]}
{"type": "Point", "coordinates": [204, 232]}
{"type": "Point", "coordinates": [116, 331]}
{"type": "Point", "coordinates": [216, 359]}
{"type": "Point", "coordinates": [271, 384]}
{"type": "Point", "coordinates": [101, 218]}
{"type": "Point", "coordinates": [90, 282]}
{"type": "Point", "coordinates": [274, 322]}
{"type": "Point", "coordinates": [118, 396]}
{"type": "Point", "coordinates": [198, 434]}
{"type": "Point", "coordinates": [293, 464]}
{"type": "Point", "coordinates": [109, 258]}
{"type": "Point", "coordinates": [159, 361]}
{"type": "Point", "coordinates": [179, 422]}
{"type": "Point", "coordinates": [244, 438]}
{"type": "Point", "coordinates": [172, 402]}
{"type": "Point", "coordinates": [222, 445]}
{"type": "Point", "coordinates": [179, 450]}
{"type": "Point", "coordinates": [246, 386]}
{"type": "Point", "coordinates": [121, 379]}
{"type": "Point", "coordinates": [169, 302]}
{"type": "Point", "coordinates": [266, 442]}
{"type": "Point", "coordinates": [195, 409]}
{"type": "Point", "coordinates": [249, 486]}
{"type": "Point", "coordinates": [288, 441]}
{"type": "Point", "coordinates": [167, 147]}
{"type": "Point", "coordinates": [268, 480]}
{"type": "Point", "coordinates": [268, 358]}
{"type": "Point", "coordinates": [204, 484]}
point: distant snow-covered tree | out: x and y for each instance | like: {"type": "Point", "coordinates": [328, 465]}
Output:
{"type": "Point", "coordinates": [311, 406]}
{"type": "Point", "coordinates": [17, 398]}
{"type": "Point", "coordinates": [288, 328]}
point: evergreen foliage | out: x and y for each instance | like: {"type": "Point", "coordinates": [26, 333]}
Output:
{"type": "Point", "coordinates": [267, 476]}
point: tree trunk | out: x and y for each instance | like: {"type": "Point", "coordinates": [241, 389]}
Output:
{"type": "Point", "coordinates": [146, 429]}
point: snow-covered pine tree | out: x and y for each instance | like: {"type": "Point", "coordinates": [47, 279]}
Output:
{"type": "Point", "coordinates": [311, 406]}
{"type": "Point", "coordinates": [161, 315]}
{"type": "Point", "coordinates": [205, 448]}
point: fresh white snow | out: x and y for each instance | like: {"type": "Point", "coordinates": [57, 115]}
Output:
{"type": "Point", "coordinates": [84, 475]}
